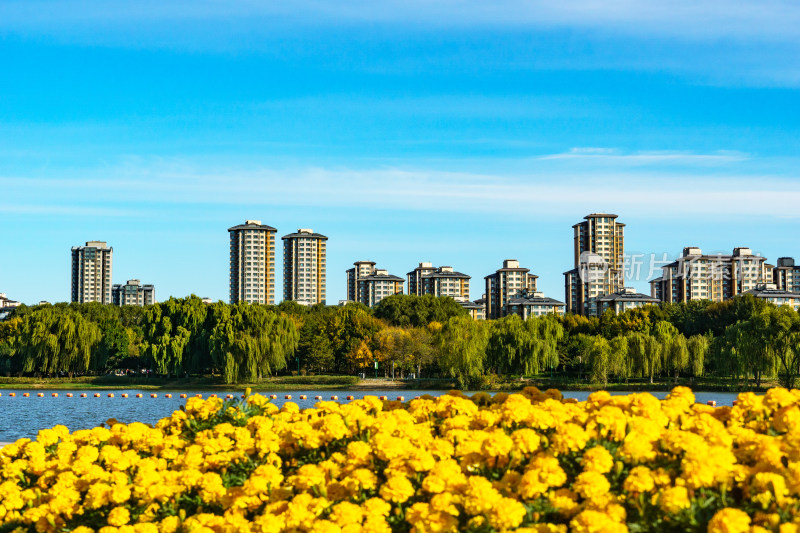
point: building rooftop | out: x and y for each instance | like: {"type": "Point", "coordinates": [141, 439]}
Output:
{"type": "Point", "coordinates": [380, 277]}
{"type": "Point", "coordinates": [304, 232]}
{"type": "Point", "coordinates": [627, 294]}
{"type": "Point", "coordinates": [446, 274]}
{"type": "Point", "coordinates": [528, 298]}
{"type": "Point", "coordinates": [770, 290]}
{"type": "Point", "coordinates": [252, 224]}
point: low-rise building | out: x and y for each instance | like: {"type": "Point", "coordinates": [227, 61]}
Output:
{"type": "Point", "coordinates": [507, 283]}
{"type": "Point", "coordinates": [476, 309]}
{"type": "Point", "coordinates": [133, 293]}
{"type": "Point", "coordinates": [717, 277]}
{"type": "Point", "coordinates": [620, 301]}
{"type": "Point", "coordinates": [6, 303]}
{"type": "Point", "coordinates": [533, 304]}
{"type": "Point", "coordinates": [786, 276]}
{"type": "Point", "coordinates": [771, 293]}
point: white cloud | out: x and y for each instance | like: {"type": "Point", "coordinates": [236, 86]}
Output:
{"type": "Point", "coordinates": [542, 190]}
{"type": "Point", "coordinates": [770, 20]}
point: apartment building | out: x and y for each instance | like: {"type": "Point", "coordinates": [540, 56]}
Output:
{"type": "Point", "coordinates": [133, 293]}
{"type": "Point", "coordinates": [91, 272]}
{"type": "Point", "coordinates": [716, 277]}
{"type": "Point", "coordinates": [620, 301]}
{"type": "Point", "coordinates": [376, 286]}
{"type": "Point", "coordinates": [304, 266]}
{"type": "Point", "coordinates": [598, 250]}
{"type": "Point", "coordinates": [438, 281]}
{"type": "Point", "coordinates": [476, 309]}
{"type": "Point", "coordinates": [533, 304]}
{"type": "Point", "coordinates": [5, 302]}
{"type": "Point", "coordinates": [360, 270]}
{"type": "Point", "coordinates": [507, 283]}
{"type": "Point", "coordinates": [771, 293]}
{"type": "Point", "coordinates": [786, 276]}
{"type": "Point", "coordinates": [252, 263]}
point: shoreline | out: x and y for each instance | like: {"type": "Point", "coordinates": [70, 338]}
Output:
{"type": "Point", "coordinates": [95, 384]}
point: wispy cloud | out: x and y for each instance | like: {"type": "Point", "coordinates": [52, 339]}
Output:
{"type": "Point", "coordinates": [776, 19]}
{"type": "Point", "coordinates": [611, 156]}
{"type": "Point", "coordinates": [539, 191]}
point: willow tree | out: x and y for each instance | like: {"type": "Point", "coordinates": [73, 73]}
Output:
{"type": "Point", "coordinates": [697, 346]}
{"type": "Point", "coordinates": [462, 346]}
{"type": "Point", "coordinates": [597, 357]}
{"type": "Point", "coordinates": [676, 355]}
{"type": "Point", "coordinates": [618, 360]}
{"type": "Point", "coordinates": [249, 342]}
{"type": "Point", "coordinates": [53, 339]}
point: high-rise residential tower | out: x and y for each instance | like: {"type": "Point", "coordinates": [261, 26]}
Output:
{"type": "Point", "coordinates": [599, 251]}
{"type": "Point", "coordinates": [376, 286]}
{"type": "Point", "coordinates": [91, 272]}
{"type": "Point", "coordinates": [304, 266]}
{"type": "Point", "coordinates": [133, 293]}
{"type": "Point", "coordinates": [786, 276]}
{"type": "Point", "coordinates": [505, 284]}
{"type": "Point", "coordinates": [252, 263]}
{"type": "Point", "coordinates": [359, 271]}
{"type": "Point", "coordinates": [716, 277]}
{"type": "Point", "coordinates": [441, 281]}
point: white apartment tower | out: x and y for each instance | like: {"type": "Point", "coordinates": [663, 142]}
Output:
{"type": "Point", "coordinates": [599, 249]}
{"type": "Point", "coordinates": [252, 260]}
{"type": "Point", "coordinates": [505, 284]}
{"type": "Point", "coordinates": [304, 266]}
{"type": "Point", "coordinates": [91, 272]}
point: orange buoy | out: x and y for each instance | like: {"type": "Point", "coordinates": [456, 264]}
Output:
{"type": "Point", "coordinates": [69, 394]}
{"type": "Point", "coordinates": [124, 394]}
{"type": "Point", "coordinates": [12, 394]}
{"type": "Point", "coordinates": [317, 397]}
{"type": "Point", "coordinates": [416, 397]}
{"type": "Point", "coordinates": [712, 403]}
{"type": "Point", "coordinates": [334, 397]}
{"type": "Point", "coordinates": [302, 396]}
{"type": "Point", "coordinates": [96, 394]}
{"type": "Point", "coordinates": [54, 395]}
{"type": "Point", "coordinates": [153, 395]}
{"type": "Point", "coordinates": [198, 395]}
{"type": "Point", "coordinates": [400, 399]}
{"type": "Point", "coordinates": [25, 394]}
{"type": "Point", "coordinates": [40, 394]}
{"type": "Point", "coordinates": [183, 395]}
{"type": "Point", "coordinates": [383, 397]}
{"type": "Point", "coordinates": [229, 396]}
{"type": "Point", "coordinates": [168, 395]}
{"type": "Point", "coordinates": [83, 395]}
{"type": "Point", "coordinates": [351, 398]}
{"type": "Point", "coordinates": [273, 396]}
{"type": "Point", "coordinates": [139, 395]}
{"type": "Point", "coordinates": [288, 397]}
{"type": "Point", "coordinates": [110, 394]}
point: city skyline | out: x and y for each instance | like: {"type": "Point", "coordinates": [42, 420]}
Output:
{"type": "Point", "coordinates": [457, 134]}
{"type": "Point", "coordinates": [639, 270]}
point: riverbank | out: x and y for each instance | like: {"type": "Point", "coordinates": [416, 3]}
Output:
{"type": "Point", "coordinates": [323, 383]}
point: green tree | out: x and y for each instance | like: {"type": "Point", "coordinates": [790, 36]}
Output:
{"type": "Point", "coordinates": [462, 346]}
{"type": "Point", "coordinates": [408, 310]}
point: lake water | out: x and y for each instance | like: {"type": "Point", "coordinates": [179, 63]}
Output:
{"type": "Point", "coordinates": [23, 417]}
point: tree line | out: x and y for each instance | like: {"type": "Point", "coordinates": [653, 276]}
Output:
{"type": "Point", "coordinates": [741, 339]}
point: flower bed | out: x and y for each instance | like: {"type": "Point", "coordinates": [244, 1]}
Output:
{"type": "Point", "coordinates": [525, 462]}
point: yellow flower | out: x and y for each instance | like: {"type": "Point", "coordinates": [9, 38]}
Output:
{"type": "Point", "coordinates": [591, 485]}
{"type": "Point", "coordinates": [397, 489]}
{"type": "Point", "coordinates": [729, 520]}
{"type": "Point", "coordinates": [673, 500]}
{"type": "Point", "coordinates": [119, 516]}
{"type": "Point", "coordinates": [640, 479]}
{"type": "Point", "coordinates": [597, 459]}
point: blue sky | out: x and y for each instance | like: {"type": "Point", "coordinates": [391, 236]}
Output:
{"type": "Point", "coordinates": [461, 133]}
